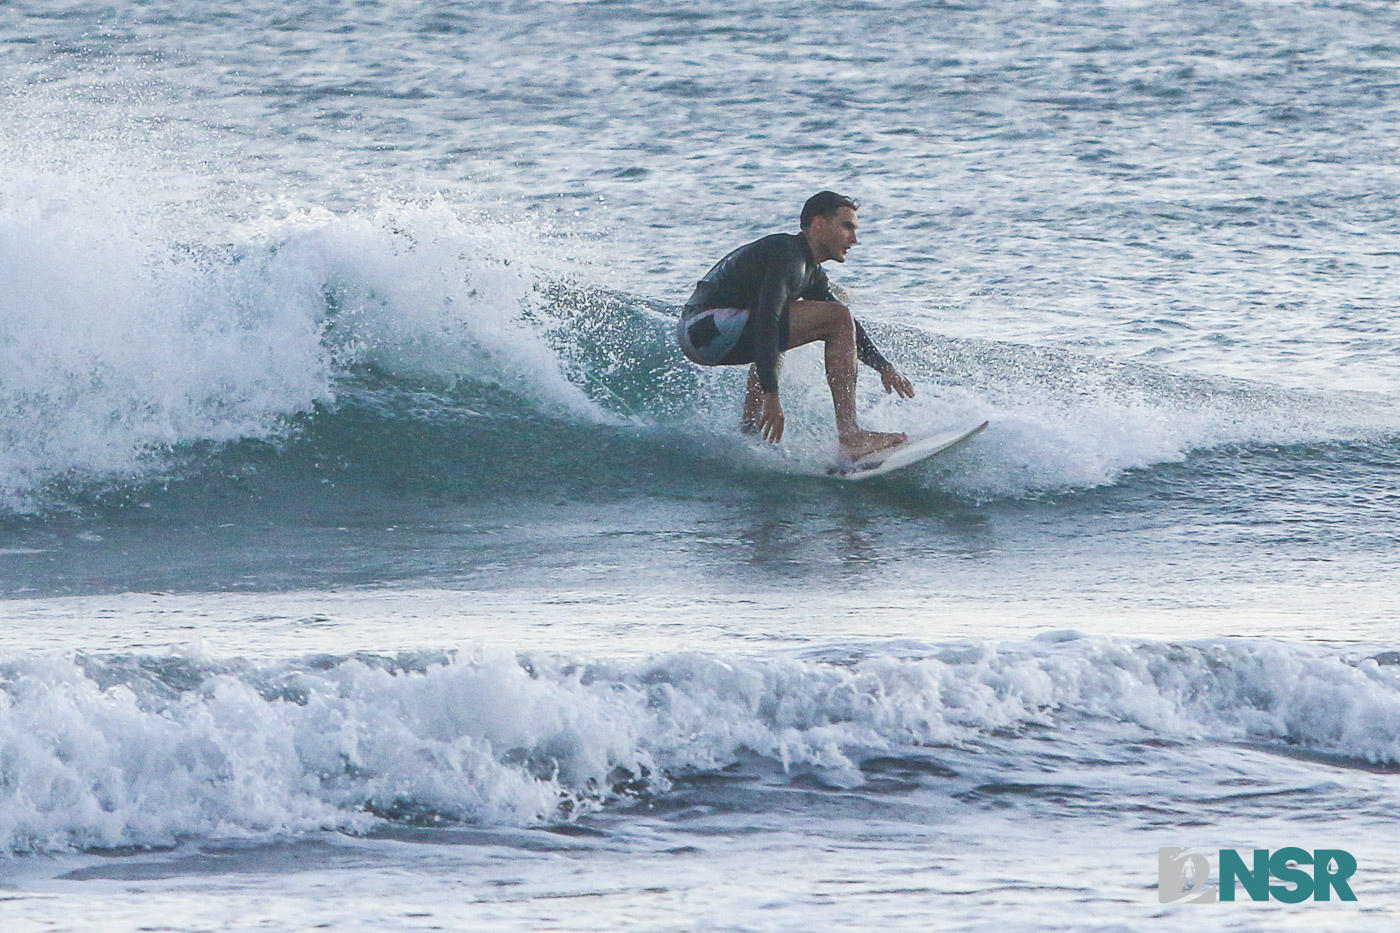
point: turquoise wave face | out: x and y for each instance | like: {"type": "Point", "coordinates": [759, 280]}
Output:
{"type": "Point", "coordinates": [476, 486]}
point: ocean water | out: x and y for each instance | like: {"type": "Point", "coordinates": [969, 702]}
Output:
{"type": "Point", "coordinates": [371, 559]}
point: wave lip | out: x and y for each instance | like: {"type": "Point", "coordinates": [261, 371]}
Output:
{"type": "Point", "coordinates": [141, 751]}
{"type": "Point", "coordinates": [125, 336]}
{"type": "Point", "coordinates": [117, 344]}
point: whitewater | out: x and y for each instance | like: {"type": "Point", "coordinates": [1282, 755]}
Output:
{"type": "Point", "coordinates": [372, 559]}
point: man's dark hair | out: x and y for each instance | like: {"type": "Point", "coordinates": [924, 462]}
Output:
{"type": "Point", "coordinates": [825, 204]}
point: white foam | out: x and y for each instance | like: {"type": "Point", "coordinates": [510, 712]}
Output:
{"type": "Point", "coordinates": [145, 308]}
{"type": "Point", "coordinates": [425, 292]}
{"type": "Point", "coordinates": [1062, 421]}
{"type": "Point", "coordinates": [114, 752]}
{"type": "Point", "coordinates": [117, 341]}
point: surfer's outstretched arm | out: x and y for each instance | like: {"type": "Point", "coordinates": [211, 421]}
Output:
{"type": "Point", "coordinates": [753, 400]}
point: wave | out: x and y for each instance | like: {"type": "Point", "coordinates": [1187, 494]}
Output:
{"type": "Point", "coordinates": [142, 327]}
{"type": "Point", "coordinates": [104, 751]}
{"type": "Point", "coordinates": [121, 346]}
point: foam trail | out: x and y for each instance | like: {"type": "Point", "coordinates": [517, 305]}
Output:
{"type": "Point", "coordinates": [1061, 421]}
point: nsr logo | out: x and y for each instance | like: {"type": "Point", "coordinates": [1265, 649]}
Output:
{"type": "Point", "coordinates": [1182, 875]}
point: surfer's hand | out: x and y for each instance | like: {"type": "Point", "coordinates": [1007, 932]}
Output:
{"type": "Point", "coordinates": [894, 381]}
{"type": "Point", "coordinates": [770, 419]}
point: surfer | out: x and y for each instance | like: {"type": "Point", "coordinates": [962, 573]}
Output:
{"type": "Point", "coordinates": [771, 295]}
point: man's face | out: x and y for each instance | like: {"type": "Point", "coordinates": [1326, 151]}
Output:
{"type": "Point", "coordinates": [831, 236]}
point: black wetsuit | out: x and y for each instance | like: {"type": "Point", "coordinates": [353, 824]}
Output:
{"type": "Point", "coordinates": [763, 278]}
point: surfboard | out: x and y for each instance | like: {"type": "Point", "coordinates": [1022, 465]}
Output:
{"type": "Point", "coordinates": [912, 451]}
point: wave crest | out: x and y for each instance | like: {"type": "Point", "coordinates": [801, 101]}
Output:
{"type": "Point", "coordinates": [144, 751]}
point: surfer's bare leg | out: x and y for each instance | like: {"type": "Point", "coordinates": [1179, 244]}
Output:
{"type": "Point", "coordinates": [831, 323]}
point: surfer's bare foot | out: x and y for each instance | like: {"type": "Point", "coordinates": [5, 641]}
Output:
{"type": "Point", "coordinates": [859, 444]}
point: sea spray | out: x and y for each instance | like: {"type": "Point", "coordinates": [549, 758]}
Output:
{"type": "Point", "coordinates": [120, 342]}
{"type": "Point", "coordinates": [421, 292]}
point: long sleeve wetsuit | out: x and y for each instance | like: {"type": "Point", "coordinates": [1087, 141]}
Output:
{"type": "Point", "coordinates": [763, 278]}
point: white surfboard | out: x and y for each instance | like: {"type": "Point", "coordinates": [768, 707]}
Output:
{"type": "Point", "coordinates": [902, 455]}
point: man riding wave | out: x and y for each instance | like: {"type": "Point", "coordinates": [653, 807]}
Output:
{"type": "Point", "coordinates": [771, 295]}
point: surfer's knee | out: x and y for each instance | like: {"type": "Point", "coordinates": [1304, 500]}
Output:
{"type": "Point", "coordinates": [820, 320]}
{"type": "Point", "coordinates": [842, 322]}
{"type": "Point", "coordinates": [834, 316]}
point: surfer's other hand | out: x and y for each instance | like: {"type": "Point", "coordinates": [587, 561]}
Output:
{"type": "Point", "coordinates": [894, 381]}
{"type": "Point", "coordinates": [770, 419]}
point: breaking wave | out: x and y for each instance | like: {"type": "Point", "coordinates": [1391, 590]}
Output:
{"type": "Point", "coordinates": [103, 751]}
